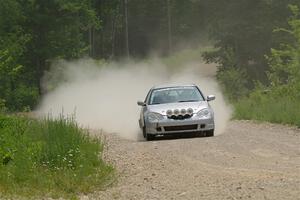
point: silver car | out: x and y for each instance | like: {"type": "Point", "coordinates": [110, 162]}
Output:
{"type": "Point", "coordinates": [176, 109]}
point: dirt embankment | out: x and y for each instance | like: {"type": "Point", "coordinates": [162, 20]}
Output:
{"type": "Point", "coordinates": [248, 161]}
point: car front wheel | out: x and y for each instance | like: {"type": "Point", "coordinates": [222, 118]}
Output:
{"type": "Point", "coordinates": [210, 133]}
{"type": "Point", "coordinates": [144, 132]}
{"type": "Point", "coordinates": [149, 137]}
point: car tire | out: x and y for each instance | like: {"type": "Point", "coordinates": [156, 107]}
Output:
{"type": "Point", "coordinates": [144, 132]}
{"type": "Point", "coordinates": [149, 137]}
{"type": "Point", "coordinates": [210, 133]}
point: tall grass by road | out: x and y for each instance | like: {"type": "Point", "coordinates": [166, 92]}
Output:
{"type": "Point", "coordinates": [50, 157]}
{"type": "Point", "coordinates": [273, 108]}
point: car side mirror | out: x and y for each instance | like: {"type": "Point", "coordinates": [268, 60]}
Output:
{"type": "Point", "coordinates": [210, 97]}
{"type": "Point", "coordinates": [141, 103]}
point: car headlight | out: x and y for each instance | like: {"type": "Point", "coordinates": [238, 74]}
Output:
{"type": "Point", "coordinates": [204, 113]}
{"type": "Point", "coordinates": [152, 116]}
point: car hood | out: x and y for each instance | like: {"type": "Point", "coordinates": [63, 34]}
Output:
{"type": "Point", "coordinates": [162, 108]}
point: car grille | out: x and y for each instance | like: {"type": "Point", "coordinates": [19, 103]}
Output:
{"type": "Point", "coordinates": [180, 117]}
{"type": "Point", "coordinates": [181, 128]}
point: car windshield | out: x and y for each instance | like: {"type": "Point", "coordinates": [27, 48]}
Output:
{"type": "Point", "coordinates": [174, 95]}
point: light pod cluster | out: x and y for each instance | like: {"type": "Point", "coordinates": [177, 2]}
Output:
{"type": "Point", "coordinates": [182, 112]}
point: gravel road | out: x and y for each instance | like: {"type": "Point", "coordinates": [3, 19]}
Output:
{"type": "Point", "coordinates": [248, 161]}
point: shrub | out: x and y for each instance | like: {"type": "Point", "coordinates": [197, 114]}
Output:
{"type": "Point", "coordinates": [22, 98]}
{"type": "Point", "coordinates": [234, 83]}
{"type": "Point", "coordinates": [2, 106]}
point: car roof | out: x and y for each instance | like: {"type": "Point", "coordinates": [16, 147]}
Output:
{"type": "Point", "coordinates": [172, 86]}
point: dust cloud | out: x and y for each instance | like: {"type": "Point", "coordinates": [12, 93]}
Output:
{"type": "Point", "coordinates": [104, 95]}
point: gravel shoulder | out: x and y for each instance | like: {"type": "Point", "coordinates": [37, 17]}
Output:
{"type": "Point", "coordinates": [248, 161]}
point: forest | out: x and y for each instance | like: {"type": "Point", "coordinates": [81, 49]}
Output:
{"type": "Point", "coordinates": [255, 45]}
{"type": "Point", "coordinates": [250, 39]}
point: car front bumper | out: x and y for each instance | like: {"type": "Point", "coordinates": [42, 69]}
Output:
{"type": "Point", "coordinates": [171, 126]}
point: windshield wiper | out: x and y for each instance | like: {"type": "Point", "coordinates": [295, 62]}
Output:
{"type": "Point", "coordinates": [187, 101]}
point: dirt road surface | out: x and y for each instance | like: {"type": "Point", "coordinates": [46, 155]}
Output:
{"type": "Point", "coordinates": [248, 161]}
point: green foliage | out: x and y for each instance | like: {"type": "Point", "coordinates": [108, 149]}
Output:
{"type": "Point", "coordinates": [243, 34]}
{"type": "Point", "coordinates": [21, 98]}
{"type": "Point", "coordinates": [51, 157]}
{"type": "Point", "coordinates": [285, 62]}
{"type": "Point", "coordinates": [13, 40]}
{"type": "Point", "coordinates": [32, 34]}
{"type": "Point", "coordinates": [281, 101]}
{"type": "Point", "coordinates": [35, 33]}
{"type": "Point", "coordinates": [279, 107]}
{"type": "Point", "coordinates": [3, 108]}
{"type": "Point", "coordinates": [13, 87]}
{"type": "Point", "coordinates": [235, 82]}
{"type": "Point", "coordinates": [233, 79]}
{"type": "Point", "coordinates": [59, 27]}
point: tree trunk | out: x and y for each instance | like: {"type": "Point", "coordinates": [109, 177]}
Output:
{"type": "Point", "coordinates": [91, 40]}
{"type": "Point", "coordinates": [169, 26]}
{"type": "Point", "coordinates": [126, 28]}
{"type": "Point", "coordinates": [113, 31]}
{"type": "Point", "coordinates": [40, 64]}
{"type": "Point", "coordinates": [101, 10]}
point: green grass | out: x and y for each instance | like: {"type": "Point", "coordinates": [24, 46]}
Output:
{"type": "Point", "coordinates": [50, 157]}
{"type": "Point", "coordinates": [283, 110]}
